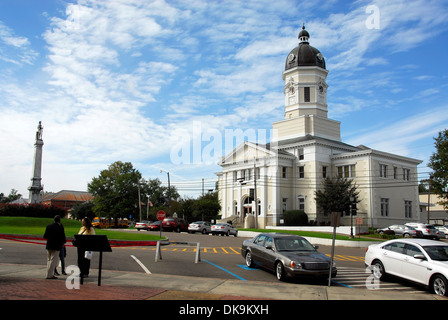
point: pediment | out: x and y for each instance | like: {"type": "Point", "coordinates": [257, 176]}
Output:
{"type": "Point", "coordinates": [246, 152]}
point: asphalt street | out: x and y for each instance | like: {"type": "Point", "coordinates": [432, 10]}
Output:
{"type": "Point", "coordinates": [220, 259]}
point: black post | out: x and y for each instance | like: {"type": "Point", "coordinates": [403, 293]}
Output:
{"type": "Point", "coordinates": [99, 270]}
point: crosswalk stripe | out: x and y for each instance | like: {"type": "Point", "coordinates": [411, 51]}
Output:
{"type": "Point", "coordinates": [358, 279]}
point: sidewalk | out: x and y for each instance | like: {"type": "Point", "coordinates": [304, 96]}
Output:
{"type": "Point", "coordinates": [26, 282]}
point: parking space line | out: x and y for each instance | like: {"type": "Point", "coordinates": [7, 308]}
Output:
{"type": "Point", "coordinates": [215, 265]}
{"type": "Point", "coordinates": [234, 250]}
{"type": "Point", "coordinates": [141, 264]}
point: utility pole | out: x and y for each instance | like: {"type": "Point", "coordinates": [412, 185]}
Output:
{"type": "Point", "coordinates": [139, 202]}
{"type": "Point", "coordinates": [169, 186]}
{"type": "Point", "coordinates": [429, 195]}
{"type": "Point", "coordinates": [255, 194]}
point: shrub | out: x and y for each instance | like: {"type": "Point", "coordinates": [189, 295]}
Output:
{"type": "Point", "coordinates": [30, 210]}
{"type": "Point", "coordinates": [295, 218]}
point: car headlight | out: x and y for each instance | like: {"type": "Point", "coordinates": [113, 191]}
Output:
{"type": "Point", "coordinates": [296, 265]}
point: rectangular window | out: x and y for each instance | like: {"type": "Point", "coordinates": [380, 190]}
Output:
{"type": "Point", "coordinates": [395, 173]}
{"type": "Point", "coordinates": [383, 171]}
{"type": "Point", "coordinates": [300, 154]}
{"type": "Point", "coordinates": [284, 202]}
{"type": "Point", "coordinates": [384, 207]}
{"type": "Point", "coordinates": [407, 209]}
{"type": "Point", "coordinates": [306, 94]}
{"type": "Point", "coordinates": [346, 171]}
{"type": "Point", "coordinates": [284, 172]}
{"type": "Point", "coordinates": [301, 203]}
{"type": "Point", "coordinates": [406, 174]}
{"type": "Point", "coordinates": [235, 176]}
{"type": "Point", "coordinates": [324, 171]}
{"type": "Point", "coordinates": [301, 172]}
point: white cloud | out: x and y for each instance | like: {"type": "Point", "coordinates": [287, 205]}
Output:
{"type": "Point", "coordinates": [15, 49]}
{"type": "Point", "coordinates": [401, 137]}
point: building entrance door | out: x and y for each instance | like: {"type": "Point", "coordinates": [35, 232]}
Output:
{"type": "Point", "coordinates": [247, 206]}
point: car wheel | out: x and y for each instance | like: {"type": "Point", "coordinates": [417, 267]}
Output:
{"type": "Point", "coordinates": [249, 261]}
{"type": "Point", "coordinates": [378, 270]}
{"type": "Point", "coordinates": [406, 235]}
{"type": "Point", "coordinates": [280, 271]}
{"type": "Point", "coordinates": [439, 285]}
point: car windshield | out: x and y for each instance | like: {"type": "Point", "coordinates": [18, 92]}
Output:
{"type": "Point", "coordinates": [438, 253]}
{"type": "Point", "coordinates": [293, 244]}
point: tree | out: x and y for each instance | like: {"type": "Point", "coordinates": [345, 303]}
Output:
{"type": "Point", "coordinates": [439, 164]}
{"type": "Point", "coordinates": [13, 195]}
{"type": "Point", "coordinates": [336, 195]}
{"type": "Point", "coordinates": [159, 196]}
{"type": "Point", "coordinates": [82, 210]}
{"type": "Point", "coordinates": [115, 191]}
{"type": "Point", "coordinates": [207, 206]}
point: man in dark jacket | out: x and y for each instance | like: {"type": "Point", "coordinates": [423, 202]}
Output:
{"type": "Point", "coordinates": [55, 235]}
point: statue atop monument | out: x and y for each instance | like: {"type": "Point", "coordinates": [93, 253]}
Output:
{"type": "Point", "coordinates": [39, 131]}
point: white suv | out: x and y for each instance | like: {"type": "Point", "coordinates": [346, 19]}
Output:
{"type": "Point", "coordinates": [428, 230]}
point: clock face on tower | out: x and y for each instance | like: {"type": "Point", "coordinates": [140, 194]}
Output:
{"type": "Point", "coordinates": [291, 57]}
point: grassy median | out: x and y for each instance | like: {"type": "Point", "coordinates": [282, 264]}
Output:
{"type": "Point", "coordinates": [36, 227]}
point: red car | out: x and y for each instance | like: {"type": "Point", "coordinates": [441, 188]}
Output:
{"type": "Point", "coordinates": [174, 224]}
{"type": "Point", "coordinates": [155, 226]}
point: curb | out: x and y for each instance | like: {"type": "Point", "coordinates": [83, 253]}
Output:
{"type": "Point", "coordinates": [113, 243]}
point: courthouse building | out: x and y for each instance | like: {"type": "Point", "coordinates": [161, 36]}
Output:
{"type": "Point", "coordinates": [306, 149]}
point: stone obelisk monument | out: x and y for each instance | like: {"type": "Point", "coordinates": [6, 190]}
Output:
{"type": "Point", "coordinates": [36, 185]}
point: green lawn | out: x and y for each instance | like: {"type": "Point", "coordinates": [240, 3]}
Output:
{"type": "Point", "coordinates": [314, 234]}
{"type": "Point", "coordinates": [36, 227]}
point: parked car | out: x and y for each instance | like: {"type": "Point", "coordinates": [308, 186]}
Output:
{"type": "Point", "coordinates": [154, 226]}
{"type": "Point", "coordinates": [420, 260]}
{"type": "Point", "coordinates": [428, 230]}
{"type": "Point", "coordinates": [174, 224]}
{"type": "Point", "coordinates": [203, 227]}
{"type": "Point", "coordinates": [224, 229]}
{"type": "Point", "coordinates": [443, 229]}
{"type": "Point", "coordinates": [287, 255]}
{"type": "Point", "coordinates": [142, 225]}
{"type": "Point", "coordinates": [402, 230]}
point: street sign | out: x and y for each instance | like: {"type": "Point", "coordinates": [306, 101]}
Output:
{"type": "Point", "coordinates": [161, 215]}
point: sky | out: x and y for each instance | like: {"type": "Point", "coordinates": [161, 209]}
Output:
{"type": "Point", "coordinates": [160, 83]}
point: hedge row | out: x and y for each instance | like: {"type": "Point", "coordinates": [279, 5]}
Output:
{"type": "Point", "coordinates": [30, 210]}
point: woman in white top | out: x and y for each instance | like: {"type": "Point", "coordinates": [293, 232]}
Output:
{"type": "Point", "coordinates": [83, 263]}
